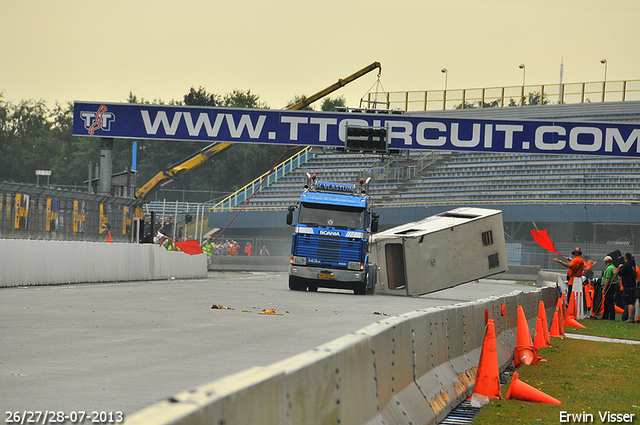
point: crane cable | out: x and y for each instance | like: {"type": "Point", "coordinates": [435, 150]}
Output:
{"type": "Point", "coordinates": [378, 86]}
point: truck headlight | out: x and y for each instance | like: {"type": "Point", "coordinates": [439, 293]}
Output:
{"type": "Point", "coordinates": [300, 261]}
{"type": "Point", "coordinates": [355, 265]}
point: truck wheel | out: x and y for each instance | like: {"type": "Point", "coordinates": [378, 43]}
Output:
{"type": "Point", "coordinates": [370, 279]}
{"type": "Point", "coordinates": [360, 288]}
{"type": "Point", "coordinates": [370, 291]}
{"type": "Point", "coordinates": [296, 284]}
{"type": "Point", "coordinates": [369, 285]}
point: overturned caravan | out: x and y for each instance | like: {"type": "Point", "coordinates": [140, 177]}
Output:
{"type": "Point", "coordinates": [439, 252]}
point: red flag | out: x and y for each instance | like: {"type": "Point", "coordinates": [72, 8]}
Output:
{"type": "Point", "coordinates": [191, 247]}
{"type": "Point", "coordinates": [542, 238]}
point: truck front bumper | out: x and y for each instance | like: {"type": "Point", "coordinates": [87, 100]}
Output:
{"type": "Point", "coordinates": [320, 274]}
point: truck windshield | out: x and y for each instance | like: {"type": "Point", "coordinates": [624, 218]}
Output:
{"type": "Point", "coordinates": [338, 216]}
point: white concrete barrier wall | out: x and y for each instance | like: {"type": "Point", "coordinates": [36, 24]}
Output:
{"type": "Point", "coordinates": [414, 368]}
{"type": "Point", "coordinates": [35, 262]}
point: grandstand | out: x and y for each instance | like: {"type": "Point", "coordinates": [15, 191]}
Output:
{"type": "Point", "coordinates": [513, 178]}
{"type": "Point", "coordinates": [388, 174]}
{"type": "Point", "coordinates": [449, 178]}
{"type": "Point", "coordinates": [592, 201]}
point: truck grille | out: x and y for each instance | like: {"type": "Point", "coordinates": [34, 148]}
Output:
{"type": "Point", "coordinates": [330, 250]}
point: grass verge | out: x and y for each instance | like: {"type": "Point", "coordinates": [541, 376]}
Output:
{"type": "Point", "coordinates": [588, 377]}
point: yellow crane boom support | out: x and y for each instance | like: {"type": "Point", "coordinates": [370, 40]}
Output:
{"type": "Point", "coordinates": [199, 158]}
{"type": "Point", "coordinates": [305, 101]}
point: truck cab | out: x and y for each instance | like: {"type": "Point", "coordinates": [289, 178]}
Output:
{"type": "Point", "coordinates": [331, 241]}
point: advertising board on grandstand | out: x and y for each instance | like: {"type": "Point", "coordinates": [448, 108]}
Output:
{"type": "Point", "coordinates": [328, 129]}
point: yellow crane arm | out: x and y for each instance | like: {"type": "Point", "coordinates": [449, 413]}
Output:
{"type": "Point", "coordinates": [305, 101]}
{"type": "Point", "coordinates": [197, 159]}
{"type": "Point", "coordinates": [182, 167]}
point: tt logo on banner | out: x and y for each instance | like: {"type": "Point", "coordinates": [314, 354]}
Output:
{"type": "Point", "coordinates": [99, 120]}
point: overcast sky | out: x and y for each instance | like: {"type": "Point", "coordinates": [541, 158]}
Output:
{"type": "Point", "coordinates": [90, 50]}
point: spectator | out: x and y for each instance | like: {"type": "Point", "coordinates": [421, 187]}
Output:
{"type": "Point", "coordinates": [588, 269]}
{"type": "Point", "coordinates": [158, 238]}
{"type": "Point", "coordinates": [575, 267]}
{"type": "Point", "coordinates": [609, 284]}
{"type": "Point", "coordinates": [227, 247]}
{"type": "Point", "coordinates": [207, 247]}
{"type": "Point", "coordinates": [627, 273]}
{"type": "Point", "coordinates": [264, 250]}
{"type": "Point", "coordinates": [637, 302]}
{"type": "Point", "coordinates": [248, 249]}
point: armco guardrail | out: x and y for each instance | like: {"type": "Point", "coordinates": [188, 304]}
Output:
{"type": "Point", "coordinates": [36, 262]}
{"type": "Point", "coordinates": [413, 368]}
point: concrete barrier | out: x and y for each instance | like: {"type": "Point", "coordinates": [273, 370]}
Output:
{"type": "Point", "coordinates": [522, 273]}
{"type": "Point", "coordinates": [414, 368]}
{"type": "Point", "coordinates": [35, 262]}
{"type": "Point", "coordinates": [546, 278]}
{"type": "Point", "coordinates": [248, 264]}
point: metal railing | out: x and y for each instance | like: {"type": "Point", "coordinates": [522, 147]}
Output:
{"type": "Point", "coordinates": [589, 92]}
{"type": "Point", "coordinates": [29, 211]}
{"type": "Point", "coordinates": [241, 195]}
{"type": "Point", "coordinates": [515, 200]}
{"type": "Point", "coordinates": [401, 169]}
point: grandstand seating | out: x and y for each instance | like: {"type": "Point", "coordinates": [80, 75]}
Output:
{"type": "Point", "coordinates": [327, 167]}
{"type": "Point", "coordinates": [456, 178]}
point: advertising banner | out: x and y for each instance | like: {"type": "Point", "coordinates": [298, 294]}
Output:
{"type": "Point", "coordinates": [328, 129]}
{"type": "Point", "coordinates": [21, 204]}
{"type": "Point", "coordinates": [52, 215]}
{"type": "Point", "coordinates": [78, 216]}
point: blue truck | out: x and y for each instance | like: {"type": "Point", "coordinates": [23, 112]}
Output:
{"type": "Point", "coordinates": [331, 241]}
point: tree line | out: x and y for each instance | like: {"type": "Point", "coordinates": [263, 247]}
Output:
{"type": "Point", "coordinates": [36, 137]}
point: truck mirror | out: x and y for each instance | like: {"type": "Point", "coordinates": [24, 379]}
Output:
{"type": "Point", "coordinates": [374, 225]}
{"type": "Point", "coordinates": [290, 211]}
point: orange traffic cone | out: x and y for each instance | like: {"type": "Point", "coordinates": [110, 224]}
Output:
{"type": "Point", "coordinates": [572, 323]}
{"type": "Point", "coordinates": [519, 390]}
{"type": "Point", "coordinates": [109, 237]}
{"type": "Point", "coordinates": [571, 309]}
{"type": "Point", "coordinates": [555, 326]}
{"type": "Point", "coordinates": [525, 355]}
{"type": "Point", "coordinates": [589, 295]}
{"type": "Point", "coordinates": [539, 341]}
{"type": "Point", "coordinates": [618, 309]}
{"type": "Point", "coordinates": [524, 335]}
{"type": "Point", "coordinates": [561, 316]}
{"type": "Point", "coordinates": [542, 314]}
{"type": "Point", "coordinates": [525, 352]}
{"type": "Point", "coordinates": [488, 375]}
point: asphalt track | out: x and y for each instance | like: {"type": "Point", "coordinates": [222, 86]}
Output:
{"type": "Point", "coordinates": [124, 346]}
